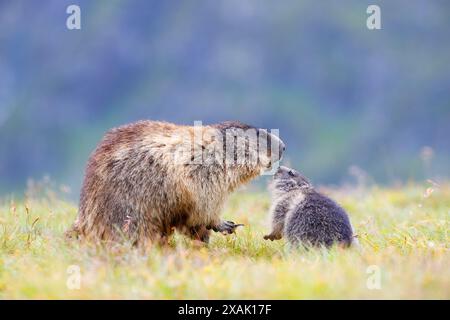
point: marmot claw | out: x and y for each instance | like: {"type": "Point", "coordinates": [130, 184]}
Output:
{"type": "Point", "coordinates": [227, 227]}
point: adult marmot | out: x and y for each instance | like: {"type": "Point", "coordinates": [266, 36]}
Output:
{"type": "Point", "coordinates": [148, 178]}
{"type": "Point", "coordinates": [304, 215]}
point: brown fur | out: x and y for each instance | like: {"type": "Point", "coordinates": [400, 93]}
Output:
{"type": "Point", "coordinates": [140, 184]}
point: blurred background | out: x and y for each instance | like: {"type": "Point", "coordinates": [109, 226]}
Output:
{"type": "Point", "coordinates": [349, 102]}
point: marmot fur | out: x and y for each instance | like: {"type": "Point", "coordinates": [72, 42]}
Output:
{"type": "Point", "coordinates": [148, 178]}
{"type": "Point", "coordinates": [303, 215]}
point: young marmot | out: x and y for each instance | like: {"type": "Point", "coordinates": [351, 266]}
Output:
{"type": "Point", "coordinates": [303, 215]}
{"type": "Point", "coordinates": [148, 178]}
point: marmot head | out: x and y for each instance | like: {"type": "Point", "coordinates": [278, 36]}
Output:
{"type": "Point", "coordinates": [240, 151]}
{"type": "Point", "coordinates": [245, 146]}
{"type": "Point", "coordinates": [287, 179]}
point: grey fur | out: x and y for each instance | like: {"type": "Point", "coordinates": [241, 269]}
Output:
{"type": "Point", "coordinates": [305, 216]}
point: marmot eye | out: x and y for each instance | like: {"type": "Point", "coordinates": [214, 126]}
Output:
{"type": "Point", "coordinates": [291, 173]}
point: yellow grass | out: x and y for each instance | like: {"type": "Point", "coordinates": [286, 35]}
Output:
{"type": "Point", "coordinates": [403, 234]}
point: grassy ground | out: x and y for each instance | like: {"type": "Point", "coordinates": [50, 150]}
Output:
{"type": "Point", "coordinates": [403, 234]}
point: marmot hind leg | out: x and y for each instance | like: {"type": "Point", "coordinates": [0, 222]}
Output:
{"type": "Point", "coordinates": [199, 233]}
{"type": "Point", "coordinates": [151, 233]}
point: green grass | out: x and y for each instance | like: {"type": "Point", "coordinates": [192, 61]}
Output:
{"type": "Point", "coordinates": [403, 231]}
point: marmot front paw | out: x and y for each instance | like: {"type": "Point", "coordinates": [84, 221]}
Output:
{"type": "Point", "coordinates": [227, 227]}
